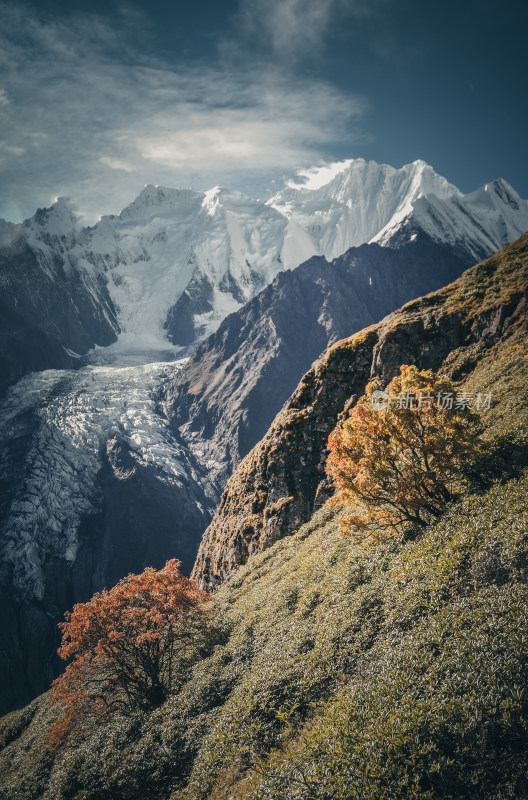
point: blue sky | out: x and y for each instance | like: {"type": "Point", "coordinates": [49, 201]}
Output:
{"type": "Point", "coordinates": [97, 99]}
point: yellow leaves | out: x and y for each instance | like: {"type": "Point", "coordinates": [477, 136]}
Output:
{"type": "Point", "coordinates": [401, 462]}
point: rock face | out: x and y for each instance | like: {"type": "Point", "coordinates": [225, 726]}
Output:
{"type": "Point", "coordinates": [280, 482]}
{"type": "Point", "coordinates": [51, 308]}
{"type": "Point", "coordinates": [226, 396]}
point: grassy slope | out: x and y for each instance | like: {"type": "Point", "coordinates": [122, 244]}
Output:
{"type": "Point", "coordinates": [273, 490]}
{"type": "Point", "coordinates": [373, 672]}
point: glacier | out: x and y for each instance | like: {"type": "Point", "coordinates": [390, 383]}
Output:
{"type": "Point", "coordinates": [67, 418]}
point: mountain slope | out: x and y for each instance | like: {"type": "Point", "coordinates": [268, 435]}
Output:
{"type": "Point", "coordinates": [51, 306]}
{"type": "Point", "coordinates": [396, 669]}
{"type": "Point", "coordinates": [225, 397]}
{"type": "Point", "coordinates": [277, 486]}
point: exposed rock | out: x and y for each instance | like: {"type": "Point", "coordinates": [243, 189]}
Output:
{"type": "Point", "coordinates": [278, 484]}
{"type": "Point", "coordinates": [50, 310]}
{"type": "Point", "coordinates": [225, 398]}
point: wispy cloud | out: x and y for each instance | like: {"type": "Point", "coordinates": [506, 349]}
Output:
{"type": "Point", "coordinates": [12, 149]}
{"type": "Point", "coordinates": [4, 99]}
{"type": "Point", "coordinates": [295, 28]}
{"type": "Point", "coordinates": [116, 163]}
{"type": "Point", "coordinates": [95, 121]}
{"type": "Point", "coordinates": [266, 123]}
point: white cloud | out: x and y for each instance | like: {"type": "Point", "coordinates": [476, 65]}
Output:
{"type": "Point", "coordinates": [268, 124]}
{"type": "Point", "coordinates": [116, 163]}
{"type": "Point", "coordinates": [12, 149]}
{"type": "Point", "coordinates": [315, 177]}
{"type": "Point", "coordinates": [4, 99]}
{"type": "Point", "coordinates": [98, 120]}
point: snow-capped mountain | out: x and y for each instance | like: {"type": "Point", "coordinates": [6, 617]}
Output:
{"type": "Point", "coordinates": [179, 261]}
{"type": "Point", "coordinates": [356, 201]}
{"type": "Point", "coordinates": [175, 262]}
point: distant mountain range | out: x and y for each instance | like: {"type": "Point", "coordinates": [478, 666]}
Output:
{"type": "Point", "coordinates": [165, 272]}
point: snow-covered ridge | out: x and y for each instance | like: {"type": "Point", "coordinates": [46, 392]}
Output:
{"type": "Point", "coordinates": [359, 201]}
{"type": "Point", "coordinates": [177, 261]}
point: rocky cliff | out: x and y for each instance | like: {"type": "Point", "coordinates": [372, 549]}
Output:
{"type": "Point", "coordinates": [280, 482]}
{"type": "Point", "coordinates": [224, 399]}
{"type": "Point", "coordinates": [51, 307]}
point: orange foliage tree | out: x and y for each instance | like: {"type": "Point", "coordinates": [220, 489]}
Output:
{"type": "Point", "coordinates": [400, 462]}
{"type": "Point", "coordinates": [123, 644]}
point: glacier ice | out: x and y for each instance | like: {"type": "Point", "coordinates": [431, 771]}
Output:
{"type": "Point", "coordinates": [61, 421]}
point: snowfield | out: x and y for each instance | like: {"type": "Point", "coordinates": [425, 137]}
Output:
{"type": "Point", "coordinates": [205, 254]}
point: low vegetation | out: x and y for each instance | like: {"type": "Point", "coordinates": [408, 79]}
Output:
{"type": "Point", "coordinates": [340, 667]}
{"type": "Point", "coordinates": [399, 667]}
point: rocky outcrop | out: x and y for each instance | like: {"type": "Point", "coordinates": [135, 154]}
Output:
{"type": "Point", "coordinates": [280, 482]}
{"type": "Point", "coordinates": [225, 398]}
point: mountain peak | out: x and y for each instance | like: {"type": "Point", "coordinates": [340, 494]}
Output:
{"type": "Point", "coordinates": [154, 199]}
{"type": "Point", "coordinates": [58, 220]}
{"type": "Point", "coordinates": [497, 194]}
{"type": "Point", "coordinates": [349, 175]}
{"type": "Point", "coordinates": [352, 202]}
{"type": "Point", "coordinates": [212, 197]}
{"type": "Point", "coordinates": [505, 191]}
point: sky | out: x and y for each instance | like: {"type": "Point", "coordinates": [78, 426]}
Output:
{"type": "Point", "coordinates": [98, 99]}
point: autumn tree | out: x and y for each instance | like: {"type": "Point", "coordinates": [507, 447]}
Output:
{"type": "Point", "coordinates": [401, 454]}
{"type": "Point", "coordinates": [124, 644]}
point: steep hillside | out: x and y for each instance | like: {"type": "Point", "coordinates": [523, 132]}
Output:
{"type": "Point", "coordinates": [345, 670]}
{"type": "Point", "coordinates": [279, 484]}
{"type": "Point", "coordinates": [228, 393]}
